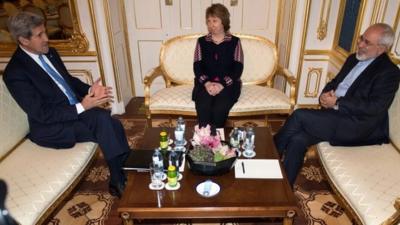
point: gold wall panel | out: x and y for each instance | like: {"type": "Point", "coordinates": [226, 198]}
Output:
{"type": "Point", "coordinates": [324, 19]}
{"type": "Point", "coordinates": [96, 36]}
{"type": "Point", "coordinates": [303, 43]}
{"type": "Point", "coordinates": [313, 74]}
{"type": "Point", "coordinates": [126, 36]}
{"type": "Point", "coordinates": [110, 32]}
{"type": "Point", "coordinates": [379, 11]}
{"type": "Point", "coordinates": [83, 75]}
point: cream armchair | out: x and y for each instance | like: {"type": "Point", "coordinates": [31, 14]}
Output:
{"type": "Point", "coordinates": [366, 178]}
{"type": "Point", "coordinates": [258, 96]}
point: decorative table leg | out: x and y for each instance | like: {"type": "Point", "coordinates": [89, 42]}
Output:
{"type": "Point", "coordinates": [126, 219]}
{"type": "Point", "coordinates": [288, 220]}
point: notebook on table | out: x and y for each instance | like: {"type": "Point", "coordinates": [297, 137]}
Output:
{"type": "Point", "coordinates": [140, 159]}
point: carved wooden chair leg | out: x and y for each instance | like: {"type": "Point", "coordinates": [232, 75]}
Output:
{"type": "Point", "coordinates": [148, 118]}
{"type": "Point", "coordinates": [266, 124]}
{"type": "Point", "coordinates": [288, 220]}
{"type": "Point", "coordinates": [126, 218]}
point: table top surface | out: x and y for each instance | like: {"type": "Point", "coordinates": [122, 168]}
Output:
{"type": "Point", "coordinates": [237, 198]}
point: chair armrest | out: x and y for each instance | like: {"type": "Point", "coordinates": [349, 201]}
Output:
{"type": "Point", "coordinates": [148, 80]}
{"type": "Point", "coordinates": [289, 77]}
{"type": "Point", "coordinates": [395, 218]}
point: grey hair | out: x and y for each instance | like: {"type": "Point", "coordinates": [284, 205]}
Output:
{"type": "Point", "coordinates": [22, 24]}
{"type": "Point", "coordinates": [387, 35]}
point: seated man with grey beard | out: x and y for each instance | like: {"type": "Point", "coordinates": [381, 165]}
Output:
{"type": "Point", "coordinates": [354, 105]}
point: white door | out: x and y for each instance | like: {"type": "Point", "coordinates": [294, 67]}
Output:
{"type": "Point", "coordinates": [150, 22]}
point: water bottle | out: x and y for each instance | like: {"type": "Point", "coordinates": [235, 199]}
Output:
{"type": "Point", "coordinates": [180, 131]}
{"type": "Point", "coordinates": [158, 164]}
{"type": "Point", "coordinates": [181, 123]}
{"type": "Point", "coordinates": [179, 140]}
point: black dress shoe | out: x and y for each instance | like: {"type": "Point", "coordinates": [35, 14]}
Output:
{"type": "Point", "coordinates": [116, 189]}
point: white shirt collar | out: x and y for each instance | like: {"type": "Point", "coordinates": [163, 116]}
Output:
{"type": "Point", "coordinates": [32, 55]}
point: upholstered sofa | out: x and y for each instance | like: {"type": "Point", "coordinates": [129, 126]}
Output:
{"type": "Point", "coordinates": [258, 96]}
{"type": "Point", "coordinates": [38, 178]}
{"type": "Point", "coordinates": [366, 179]}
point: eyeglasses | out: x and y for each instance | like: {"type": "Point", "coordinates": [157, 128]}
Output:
{"type": "Point", "coordinates": [368, 43]}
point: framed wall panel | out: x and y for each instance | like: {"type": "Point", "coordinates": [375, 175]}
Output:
{"type": "Point", "coordinates": [350, 17]}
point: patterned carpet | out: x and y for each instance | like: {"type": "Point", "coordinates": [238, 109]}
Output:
{"type": "Point", "coordinates": [90, 203]}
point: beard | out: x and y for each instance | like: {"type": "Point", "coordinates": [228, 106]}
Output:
{"type": "Point", "coordinates": [361, 56]}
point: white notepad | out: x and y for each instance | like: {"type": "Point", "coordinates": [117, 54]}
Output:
{"type": "Point", "coordinates": [258, 169]}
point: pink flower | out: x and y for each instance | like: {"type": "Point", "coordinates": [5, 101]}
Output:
{"type": "Point", "coordinates": [211, 141]}
{"type": "Point", "coordinates": [202, 136]}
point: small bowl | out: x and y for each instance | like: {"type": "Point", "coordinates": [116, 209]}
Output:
{"type": "Point", "coordinates": [208, 189]}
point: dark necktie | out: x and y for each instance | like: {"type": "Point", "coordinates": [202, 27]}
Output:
{"type": "Point", "coordinates": [70, 94]}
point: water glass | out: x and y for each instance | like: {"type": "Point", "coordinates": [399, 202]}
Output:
{"type": "Point", "coordinates": [248, 144]}
{"type": "Point", "coordinates": [249, 141]}
{"type": "Point", "coordinates": [235, 138]}
{"type": "Point", "coordinates": [156, 177]}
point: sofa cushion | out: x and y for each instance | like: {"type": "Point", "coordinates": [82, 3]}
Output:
{"type": "Point", "coordinates": [38, 176]}
{"type": "Point", "coordinates": [366, 176]}
{"type": "Point", "coordinates": [13, 121]}
{"type": "Point", "coordinates": [260, 58]}
{"type": "Point", "coordinates": [253, 98]}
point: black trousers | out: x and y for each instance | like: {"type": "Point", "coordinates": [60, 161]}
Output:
{"type": "Point", "coordinates": [97, 125]}
{"type": "Point", "coordinates": [305, 127]}
{"type": "Point", "coordinates": [213, 110]}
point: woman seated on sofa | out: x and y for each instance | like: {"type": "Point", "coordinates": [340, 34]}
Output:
{"type": "Point", "coordinates": [218, 65]}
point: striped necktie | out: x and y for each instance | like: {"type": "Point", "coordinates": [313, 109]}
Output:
{"type": "Point", "coordinates": [60, 80]}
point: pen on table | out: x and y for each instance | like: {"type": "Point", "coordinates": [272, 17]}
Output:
{"type": "Point", "coordinates": [243, 167]}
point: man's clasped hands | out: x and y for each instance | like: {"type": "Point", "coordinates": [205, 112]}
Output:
{"type": "Point", "coordinates": [98, 96]}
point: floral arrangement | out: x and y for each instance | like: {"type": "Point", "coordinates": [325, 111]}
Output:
{"type": "Point", "coordinates": [209, 148]}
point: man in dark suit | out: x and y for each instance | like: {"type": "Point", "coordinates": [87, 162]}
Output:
{"type": "Point", "coordinates": [354, 104]}
{"type": "Point", "coordinates": [61, 109]}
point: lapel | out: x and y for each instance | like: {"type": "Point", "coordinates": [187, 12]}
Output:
{"type": "Point", "coordinates": [34, 70]}
{"type": "Point", "coordinates": [37, 74]}
{"type": "Point", "coordinates": [352, 62]}
{"type": "Point", "coordinates": [367, 73]}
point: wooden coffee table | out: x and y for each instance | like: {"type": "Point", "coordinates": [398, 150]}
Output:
{"type": "Point", "coordinates": [238, 198]}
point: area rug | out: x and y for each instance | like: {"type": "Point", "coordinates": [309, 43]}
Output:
{"type": "Point", "coordinates": [91, 204]}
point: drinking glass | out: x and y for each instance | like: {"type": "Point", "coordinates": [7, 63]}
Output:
{"type": "Point", "coordinates": [248, 144]}
{"type": "Point", "coordinates": [156, 177]}
{"type": "Point", "coordinates": [235, 137]}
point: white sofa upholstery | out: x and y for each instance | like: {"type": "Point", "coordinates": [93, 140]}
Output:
{"type": "Point", "coordinates": [258, 96]}
{"type": "Point", "coordinates": [37, 178]}
{"type": "Point", "coordinates": [366, 178]}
